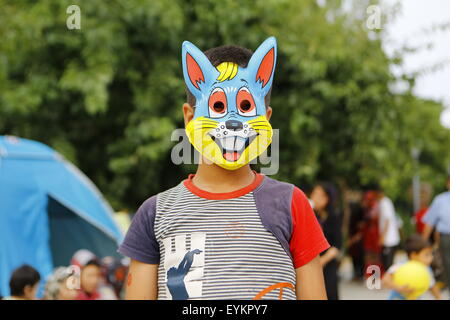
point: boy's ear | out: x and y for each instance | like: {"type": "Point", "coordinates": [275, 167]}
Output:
{"type": "Point", "coordinates": [188, 113]}
{"type": "Point", "coordinates": [262, 64]}
{"type": "Point", "coordinates": [198, 71]}
{"type": "Point", "coordinates": [268, 113]}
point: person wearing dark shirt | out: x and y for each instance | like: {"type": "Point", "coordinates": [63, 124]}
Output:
{"type": "Point", "coordinates": [355, 243]}
{"type": "Point", "coordinates": [323, 197]}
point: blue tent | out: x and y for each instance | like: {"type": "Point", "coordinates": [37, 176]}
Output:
{"type": "Point", "coordinates": [48, 210]}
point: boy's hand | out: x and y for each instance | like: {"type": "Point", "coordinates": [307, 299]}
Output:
{"type": "Point", "coordinates": [404, 290]}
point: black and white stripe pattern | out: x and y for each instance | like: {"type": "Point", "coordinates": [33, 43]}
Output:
{"type": "Point", "coordinates": [241, 256]}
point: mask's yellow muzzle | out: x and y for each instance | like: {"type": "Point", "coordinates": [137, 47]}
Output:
{"type": "Point", "coordinates": [230, 148]}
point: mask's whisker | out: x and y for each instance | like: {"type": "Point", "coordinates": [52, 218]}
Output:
{"type": "Point", "coordinates": [205, 124]}
{"type": "Point", "coordinates": [256, 121]}
{"type": "Point", "coordinates": [201, 128]}
{"type": "Point", "coordinates": [207, 121]}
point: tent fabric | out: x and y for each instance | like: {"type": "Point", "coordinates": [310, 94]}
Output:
{"type": "Point", "coordinates": [48, 208]}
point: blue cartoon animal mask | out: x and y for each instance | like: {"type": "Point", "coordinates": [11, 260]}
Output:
{"type": "Point", "coordinates": [229, 126]}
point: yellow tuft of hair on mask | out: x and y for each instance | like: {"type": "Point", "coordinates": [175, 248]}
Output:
{"type": "Point", "coordinates": [228, 71]}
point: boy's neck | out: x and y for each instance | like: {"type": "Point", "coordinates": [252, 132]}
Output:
{"type": "Point", "coordinates": [212, 178]}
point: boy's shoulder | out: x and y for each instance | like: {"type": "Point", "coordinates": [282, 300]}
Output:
{"type": "Point", "coordinates": [272, 190]}
{"type": "Point", "coordinates": [169, 194]}
{"type": "Point", "coordinates": [392, 269]}
{"type": "Point", "coordinates": [271, 183]}
{"type": "Point", "coordinates": [443, 197]}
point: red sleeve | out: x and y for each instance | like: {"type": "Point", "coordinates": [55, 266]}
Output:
{"type": "Point", "coordinates": [307, 240]}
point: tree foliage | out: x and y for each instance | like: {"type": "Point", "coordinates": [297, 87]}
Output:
{"type": "Point", "coordinates": [109, 95]}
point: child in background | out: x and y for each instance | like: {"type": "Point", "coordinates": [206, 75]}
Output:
{"type": "Point", "coordinates": [56, 287]}
{"type": "Point", "coordinates": [419, 250]}
{"type": "Point", "coordinates": [93, 284]}
{"type": "Point", "coordinates": [24, 283]}
{"type": "Point", "coordinates": [90, 274]}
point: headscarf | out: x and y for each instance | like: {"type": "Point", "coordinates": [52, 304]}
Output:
{"type": "Point", "coordinates": [55, 281]}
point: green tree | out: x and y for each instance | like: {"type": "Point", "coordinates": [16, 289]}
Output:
{"type": "Point", "coordinates": [109, 95]}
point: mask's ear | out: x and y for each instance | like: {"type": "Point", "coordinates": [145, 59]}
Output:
{"type": "Point", "coordinates": [262, 64]}
{"type": "Point", "coordinates": [197, 69]}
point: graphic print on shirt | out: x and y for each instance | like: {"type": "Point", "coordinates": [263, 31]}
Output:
{"type": "Point", "coordinates": [184, 265]}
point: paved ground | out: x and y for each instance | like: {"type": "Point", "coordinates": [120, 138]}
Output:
{"type": "Point", "coordinates": [358, 290]}
{"type": "Point", "coordinates": [350, 290]}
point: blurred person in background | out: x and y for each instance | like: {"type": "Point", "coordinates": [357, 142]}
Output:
{"type": "Point", "coordinates": [426, 192]}
{"type": "Point", "coordinates": [114, 272]}
{"type": "Point", "coordinates": [425, 197]}
{"type": "Point", "coordinates": [370, 230]}
{"type": "Point", "coordinates": [438, 216]}
{"type": "Point", "coordinates": [388, 228]}
{"type": "Point", "coordinates": [90, 277]}
{"type": "Point", "coordinates": [324, 198]}
{"type": "Point", "coordinates": [24, 283]}
{"type": "Point", "coordinates": [57, 287]}
{"type": "Point", "coordinates": [418, 250]}
{"type": "Point", "coordinates": [355, 243]}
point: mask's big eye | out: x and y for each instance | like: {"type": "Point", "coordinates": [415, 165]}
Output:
{"type": "Point", "coordinates": [217, 103]}
{"type": "Point", "coordinates": [245, 103]}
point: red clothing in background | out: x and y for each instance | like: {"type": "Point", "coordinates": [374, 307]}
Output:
{"type": "Point", "coordinates": [418, 217]}
{"type": "Point", "coordinates": [84, 296]}
{"type": "Point", "coordinates": [371, 232]}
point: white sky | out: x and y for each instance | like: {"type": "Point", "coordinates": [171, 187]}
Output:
{"type": "Point", "coordinates": [409, 27]}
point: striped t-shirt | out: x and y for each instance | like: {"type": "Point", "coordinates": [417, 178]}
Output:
{"type": "Point", "coordinates": [243, 244]}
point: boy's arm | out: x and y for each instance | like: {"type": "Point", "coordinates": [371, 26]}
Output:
{"type": "Point", "coordinates": [388, 283]}
{"type": "Point", "coordinates": [383, 232]}
{"type": "Point", "coordinates": [141, 246]}
{"type": "Point", "coordinates": [309, 281]}
{"type": "Point", "coordinates": [329, 255]}
{"type": "Point", "coordinates": [436, 292]}
{"type": "Point", "coordinates": [427, 230]}
{"type": "Point", "coordinates": [142, 281]}
{"type": "Point", "coordinates": [306, 243]}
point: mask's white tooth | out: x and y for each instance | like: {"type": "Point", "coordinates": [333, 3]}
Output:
{"type": "Point", "coordinates": [239, 143]}
{"type": "Point", "coordinates": [228, 143]}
